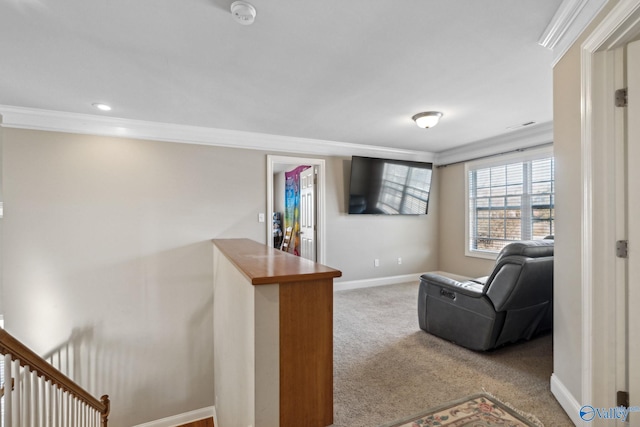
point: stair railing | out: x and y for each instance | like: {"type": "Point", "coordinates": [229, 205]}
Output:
{"type": "Point", "coordinates": [35, 394]}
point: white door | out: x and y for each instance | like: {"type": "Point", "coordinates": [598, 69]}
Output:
{"type": "Point", "coordinates": [308, 214]}
{"type": "Point", "coordinates": [633, 203]}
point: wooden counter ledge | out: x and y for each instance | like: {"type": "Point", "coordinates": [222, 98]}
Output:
{"type": "Point", "coordinates": [263, 265]}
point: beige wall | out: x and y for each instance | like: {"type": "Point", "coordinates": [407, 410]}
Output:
{"type": "Point", "coordinates": [568, 283]}
{"type": "Point", "coordinates": [452, 239]}
{"type": "Point", "coordinates": [109, 239]}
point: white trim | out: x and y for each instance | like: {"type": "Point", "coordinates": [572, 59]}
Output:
{"type": "Point", "coordinates": [57, 121]}
{"type": "Point", "coordinates": [568, 402]}
{"type": "Point", "coordinates": [560, 23]}
{"type": "Point", "coordinates": [378, 281]}
{"type": "Point", "coordinates": [187, 417]}
{"type": "Point", "coordinates": [517, 157]}
{"type": "Point", "coordinates": [617, 28]}
{"type": "Point", "coordinates": [518, 139]}
{"type": "Point", "coordinates": [587, 228]}
{"type": "Point", "coordinates": [390, 280]}
{"type": "Point", "coordinates": [321, 198]}
{"type": "Point", "coordinates": [569, 21]}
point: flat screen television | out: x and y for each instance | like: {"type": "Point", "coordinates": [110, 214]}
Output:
{"type": "Point", "coordinates": [389, 187]}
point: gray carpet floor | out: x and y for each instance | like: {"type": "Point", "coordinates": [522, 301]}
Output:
{"type": "Point", "coordinates": [386, 368]}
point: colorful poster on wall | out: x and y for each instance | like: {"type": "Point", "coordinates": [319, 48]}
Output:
{"type": "Point", "coordinates": [292, 206]}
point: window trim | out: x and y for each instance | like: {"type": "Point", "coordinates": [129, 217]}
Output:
{"type": "Point", "coordinates": [499, 160]}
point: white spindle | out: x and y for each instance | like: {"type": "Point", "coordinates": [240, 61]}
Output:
{"type": "Point", "coordinates": [74, 415]}
{"type": "Point", "coordinates": [66, 371]}
{"type": "Point", "coordinates": [67, 402]}
{"type": "Point", "coordinates": [27, 396]}
{"type": "Point", "coordinates": [17, 395]}
{"type": "Point", "coordinates": [7, 390]}
{"type": "Point", "coordinates": [63, 408]}
{"type": "Point", "coordinates": [50, 404]}
{"type": "Point", "coordinates": [35, 412]}
{"type": "Point", "coordinates": [46, 407]}
{"type": "Point", "coordinates": [44, 401]}
{"type": "Point", "coordinates": [55, 405]}
{"type": "Point", "coordinates": [57, 402]}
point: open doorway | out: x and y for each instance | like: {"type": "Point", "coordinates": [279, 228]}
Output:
{"type": "Point", "coordinates": [610, 208]}
{"type": "Point", "coordinates": [314, 223]}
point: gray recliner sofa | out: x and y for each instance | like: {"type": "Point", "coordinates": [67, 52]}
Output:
{"type": "Point", "coordinates": [511, 304]}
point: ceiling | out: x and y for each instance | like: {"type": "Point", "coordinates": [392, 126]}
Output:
{"type": "Point", "coordinates": [351, 72]}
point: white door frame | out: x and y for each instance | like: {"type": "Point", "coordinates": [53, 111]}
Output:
{"type": "Point", "coordinates": [272, 161]}
{"type": "Point", "coordinates": [599, 264]}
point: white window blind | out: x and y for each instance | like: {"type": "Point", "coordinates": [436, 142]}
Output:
{"type": "Point", "coordinates": [508, 200]}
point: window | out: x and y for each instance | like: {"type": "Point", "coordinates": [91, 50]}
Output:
{"type": "Point", "coordinates": [509, 199]}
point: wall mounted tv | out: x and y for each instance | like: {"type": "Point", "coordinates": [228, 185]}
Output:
{"type": "Point", "coordinates": [389, 187]}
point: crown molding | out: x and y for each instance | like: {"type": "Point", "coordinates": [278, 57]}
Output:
{"type": "Point", "coordinates": [569, 21]}
{"type": "Point", "coordinates": [57, 121]}
{"type": "Point", "coordinates": [515, 140]}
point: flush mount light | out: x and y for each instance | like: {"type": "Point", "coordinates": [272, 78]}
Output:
{"type": "Point", "coordinates": [101, 107]}
{"type": "Point", "coordinates": [243, 12]}
{"type": "Point", "coordinates": [427, 119]}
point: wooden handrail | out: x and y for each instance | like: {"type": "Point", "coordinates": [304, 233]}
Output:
{"type": "Point", "coordinates": [42, 368]}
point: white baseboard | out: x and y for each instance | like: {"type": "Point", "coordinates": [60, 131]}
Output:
{"type": "Point", "coordinates": [185, 418]}
{"type": "Point", "coordinates": [564, 397]}
{"type": "Point", "coordinates": [378, 281]}
{"type": "Point", "coordinates": [390, 280]}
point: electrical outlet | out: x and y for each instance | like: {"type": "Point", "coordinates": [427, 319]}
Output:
{"type": "Point", "coordinates": [260, 217]}
{"type": "Point", "coordinates": [376, 262]}
{"type": "Point", "coordinates": [399, 260]}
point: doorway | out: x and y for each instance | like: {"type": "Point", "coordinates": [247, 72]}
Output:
{"type": "Point", "coordinates": [277, 164]}
{"type": "Point", "coordinates": [610, 210]}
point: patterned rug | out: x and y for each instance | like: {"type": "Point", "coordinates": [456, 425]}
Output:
{"type": "Point", "coordinates": [480, 410]}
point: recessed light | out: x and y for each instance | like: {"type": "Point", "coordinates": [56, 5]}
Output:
{"type": "Point", "coordinates": [102, 107]}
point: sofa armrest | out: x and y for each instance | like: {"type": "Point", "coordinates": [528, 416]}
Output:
{"type": "Point", "coordinates": [469, 288]}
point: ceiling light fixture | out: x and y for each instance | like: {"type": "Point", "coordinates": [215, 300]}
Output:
{"type": "Point", "coordinates": [101, 107]}
{"type": "Point", "coordinates": [427, 119]}
{"type": "Point", "coordinates": [243, 12]}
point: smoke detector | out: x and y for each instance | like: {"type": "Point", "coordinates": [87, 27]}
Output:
{"type": "Point", "coordinates": [243, 12]}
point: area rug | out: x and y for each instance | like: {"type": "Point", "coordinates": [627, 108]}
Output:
{"type": "Point", "coordinates": [480, 410]}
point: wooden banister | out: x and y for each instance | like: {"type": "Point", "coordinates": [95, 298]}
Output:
{"type": "Point", "coordinates": [18, 351]}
